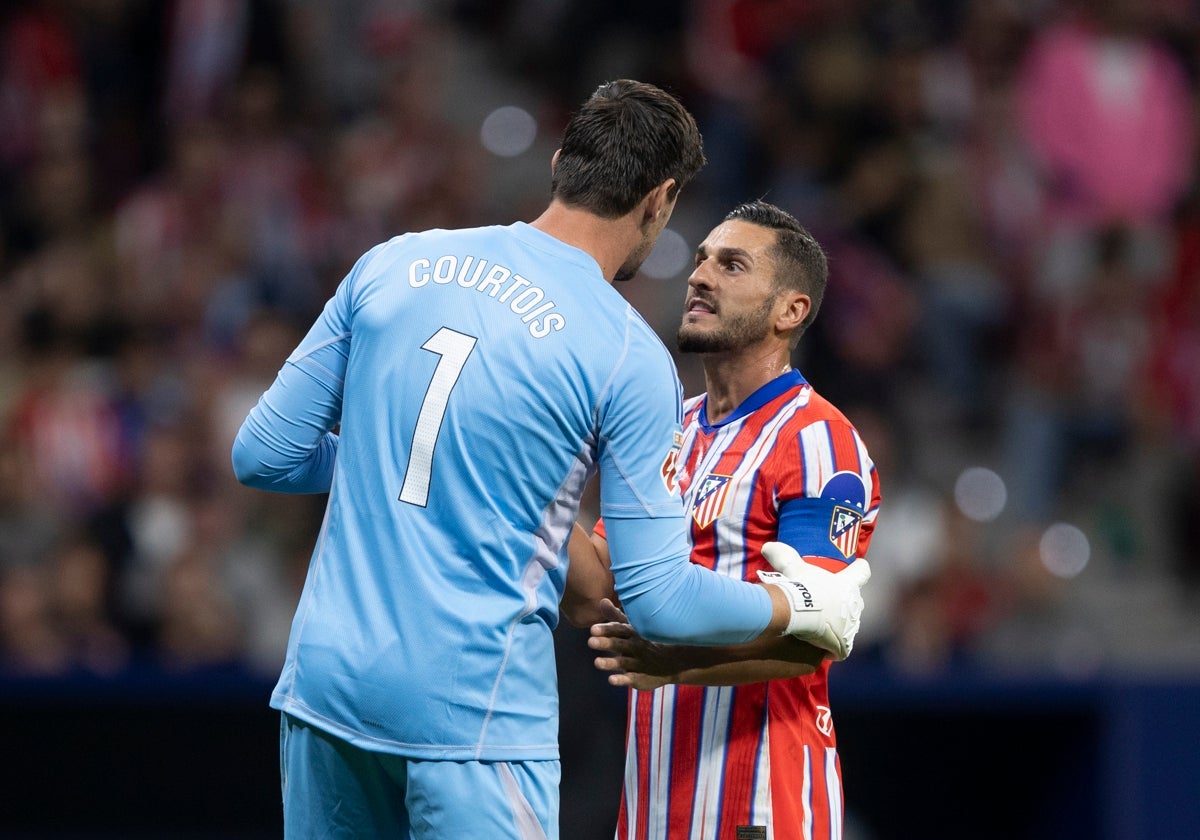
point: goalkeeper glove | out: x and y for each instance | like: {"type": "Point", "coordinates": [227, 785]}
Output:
{"type": "Point", "coordinates": [826, 607]}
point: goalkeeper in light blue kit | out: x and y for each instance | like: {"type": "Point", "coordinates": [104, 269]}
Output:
{"type": "Point", "coordinates": [480, 378]}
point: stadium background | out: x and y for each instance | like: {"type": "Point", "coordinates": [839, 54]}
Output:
{"type": "Point", "coordinates": [1008, 192]}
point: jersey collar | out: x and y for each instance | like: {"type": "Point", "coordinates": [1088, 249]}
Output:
{"type": "Point", "coordinates": [784, 382]}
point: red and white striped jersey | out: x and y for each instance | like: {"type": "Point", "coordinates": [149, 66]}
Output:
{"type": "Point", "coordinates": [759, 760]}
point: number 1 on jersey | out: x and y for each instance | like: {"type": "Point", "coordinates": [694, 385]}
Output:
{"type": "Point", "coordinates": [453, 348]}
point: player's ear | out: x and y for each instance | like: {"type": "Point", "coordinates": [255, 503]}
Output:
{"type": "Point", "coordinates": [659, 200]}
{"type": "Point", "coordinates": [793, 309]}
{"type": "Point", "coordinates": [554, 160]}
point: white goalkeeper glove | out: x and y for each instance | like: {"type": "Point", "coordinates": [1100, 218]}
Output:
{"type": "Point", "coordinates": [826, 607]}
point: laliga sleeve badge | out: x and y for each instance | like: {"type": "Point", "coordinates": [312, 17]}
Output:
{"type": "Point", "coordinates": [669, 471]}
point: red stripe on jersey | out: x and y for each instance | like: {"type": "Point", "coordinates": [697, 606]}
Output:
{"type": "Point", "coordinates": [742, 753]}
{"type": "Point", "coordinates": [683, 757]}
{"type": "Point", "coordinates": [845, 448]}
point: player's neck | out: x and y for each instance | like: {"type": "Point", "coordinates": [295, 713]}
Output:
{"type": "Point", "coordinates": [608, 241]}
{"type": "Point", "coordinates": [729, 378]}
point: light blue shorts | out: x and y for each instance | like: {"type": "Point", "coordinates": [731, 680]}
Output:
{"type": "Point", "coordinates": [332, 789]}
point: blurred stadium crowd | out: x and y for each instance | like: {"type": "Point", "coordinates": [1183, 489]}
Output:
{"type": "Point", "coordinates": [1007, 190]}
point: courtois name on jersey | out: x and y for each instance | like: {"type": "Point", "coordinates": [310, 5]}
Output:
{"type": "Point", "coordinates": [496, 281]}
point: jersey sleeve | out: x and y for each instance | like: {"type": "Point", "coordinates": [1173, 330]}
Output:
{"type": "Point", "coordinates": [639, 432]}
{"type": "Point", "coordinates": [286, 443]}
{"type": "Point", "coordinates": [666, 597]}
{"type": "Point", "coordinates": [830, 499]}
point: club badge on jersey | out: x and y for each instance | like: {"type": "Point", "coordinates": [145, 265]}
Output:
{"type": "Point", "coordinates": [710, 499]}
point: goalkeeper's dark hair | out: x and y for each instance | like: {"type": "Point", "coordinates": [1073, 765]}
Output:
{"type": "Point", "coordinates": [624, 141]}
{"type": "Point", "coordinates": [800, 261]}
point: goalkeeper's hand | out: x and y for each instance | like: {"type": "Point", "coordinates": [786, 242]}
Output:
{"type": "Point", "coordinates": [826, 607]}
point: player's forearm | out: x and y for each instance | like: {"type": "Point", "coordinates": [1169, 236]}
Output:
{"type": "Point", "coordinates": [743, 673]}
{"type": "Point", "coordinates": [780, 657]}
{"type": "Point", "coordinates": [589, 580]}
{"type": "Point", "coordinates": [257, 464]}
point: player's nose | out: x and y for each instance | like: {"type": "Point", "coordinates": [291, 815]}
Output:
{"type": "Point", "coordinates": [699, 278]}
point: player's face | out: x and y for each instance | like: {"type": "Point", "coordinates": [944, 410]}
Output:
{"type": "Point", "coordinates": [731, 296]}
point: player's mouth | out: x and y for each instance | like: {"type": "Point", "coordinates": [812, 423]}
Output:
{"type": "Point", "coordinates": [697, 307]}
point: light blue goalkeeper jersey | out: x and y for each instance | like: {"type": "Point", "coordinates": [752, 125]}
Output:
{"type": "Point", "coordinates": [480, 378]}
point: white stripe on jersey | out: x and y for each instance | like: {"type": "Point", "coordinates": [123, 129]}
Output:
{"type": "Point", "coordinates": [661, 730]}
{"type": "Point", "coordinates": [631, 765]}
{"type": "Point", "coordinates": [806, 796]}
{"type": "Point", "coordinates": [760, 808]}
{"type": "Point", "coordinates": [833, 789]}
{"type": "Point", "coordinates": [818, 457]}
{"type": "Point", "coordinates": [710, 779]}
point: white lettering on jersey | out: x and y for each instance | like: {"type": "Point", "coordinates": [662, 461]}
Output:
{"type": "Point", "coordinates": [496, 281]}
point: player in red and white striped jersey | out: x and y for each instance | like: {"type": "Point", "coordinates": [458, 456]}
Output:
{"type": "Point", "coordinates": [738, 742]}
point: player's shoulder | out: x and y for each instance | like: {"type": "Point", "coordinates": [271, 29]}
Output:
{"type": "Point", "coordinates": [812, 408]}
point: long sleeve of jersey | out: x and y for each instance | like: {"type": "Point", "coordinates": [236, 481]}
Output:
{"type": "Point", "coordinates": [670, 599]}
{"type": "Point", "coordinates": [286, 444]}
{"type": "Point", "coordinates": [666, 597]}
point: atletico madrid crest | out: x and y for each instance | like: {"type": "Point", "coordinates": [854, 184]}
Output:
{"type": "Point", "coordinates": [844, 528]}
{"type": "Point", "coordinates": [710, 499]}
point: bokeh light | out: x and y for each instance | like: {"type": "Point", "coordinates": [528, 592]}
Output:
{"type": "Point", "coordinates": [669, 258]}
{"type": "Point", "coordinates": [980, 494]}
{"type": "Point", "coordinates": [508, 131]}
{"type": "Point", "coordinates": [1065, 550]}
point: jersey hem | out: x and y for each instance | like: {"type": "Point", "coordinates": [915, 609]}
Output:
{"type": "Point", "coordinates": [448, 752]}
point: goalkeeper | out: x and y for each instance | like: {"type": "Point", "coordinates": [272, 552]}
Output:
{"type": "Point", "coordinates": [738, 741]}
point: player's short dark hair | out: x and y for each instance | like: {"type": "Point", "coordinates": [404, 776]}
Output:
{"type": "Point", "coordinates": [800, 260]}
{"type": "Point", "coordinates": [624, 141]}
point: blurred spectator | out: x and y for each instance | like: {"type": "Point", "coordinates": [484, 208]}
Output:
{"type": "Point", "coordinates": [1034, 626]}
{"type": "Point", "coordinates": [30, 644]}
{"type": "Point", "coordinates": [199, 625]}
{"type": "Point", "coordinates": [1080, 387]}
{"type": "Point", "coordinates": [963, 298]}
{"type": "Point", "coordinates": [943, 612]}
{"type": "Point", "coordinates": [81, 587]}
{"type": "Point", "coordinates": [40, 68]}
{"type": "Point", "coordinates": [205, 48]}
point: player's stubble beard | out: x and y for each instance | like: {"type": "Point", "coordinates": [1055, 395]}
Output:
{"type": "Point", "coordinates": [634, 261]}
{"type": "Point", "coordinates": [638, 255]}
{"type": "Point", "coordinates": [736, 332]}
